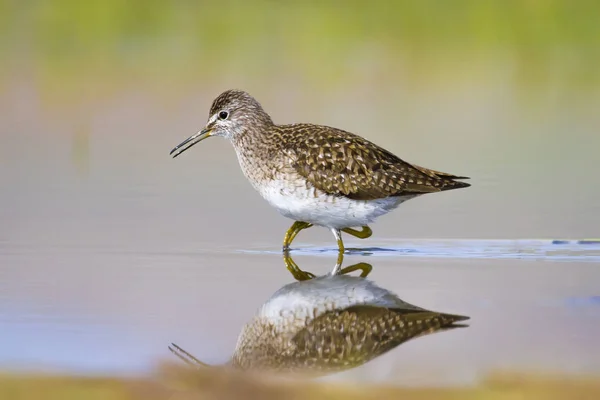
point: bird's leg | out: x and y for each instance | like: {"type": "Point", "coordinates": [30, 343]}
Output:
{"type": "Point", "coordinates": [338, 237]}
{"type": "Point", "coordinates": [291, 233]}
{"type": "Point", "coordinates": [362, 234]}
{"type": "Point", "coordinates": [296, 272]}
{"type": "Point", "coordinates": [340, 258]}
{"type": "Point", "coordinates": [366, 269]}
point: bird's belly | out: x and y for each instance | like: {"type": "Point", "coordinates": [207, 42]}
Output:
{"type": "Point", "coordinates": [302, 203]}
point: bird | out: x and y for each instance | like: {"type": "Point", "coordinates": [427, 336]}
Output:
{"type": "Point", "coordinates": [313, 174]}
{"type": "Point", "coordinates": [327, 324]}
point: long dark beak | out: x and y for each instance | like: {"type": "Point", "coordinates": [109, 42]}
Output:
{"type": "Point", "coordinates": [189, 142]}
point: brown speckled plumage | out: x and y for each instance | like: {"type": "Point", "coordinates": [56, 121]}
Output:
{"type": "Point", "coordinates": [341, 163]}
{"type": "Point", "coordinates": [328, 324]}
{"type": "Point", "coordinates": [338, 340]}
{"type": "Point", "coordinates": [332, 160]}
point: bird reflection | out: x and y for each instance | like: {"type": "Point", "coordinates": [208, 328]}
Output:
{"type": "Point", "coordinates": [301, 275]}
{"type": "Point", "coordinates": [325, 324]}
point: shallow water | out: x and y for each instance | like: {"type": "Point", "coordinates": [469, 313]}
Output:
{"type": "Point", "coordinates": [103, 310]}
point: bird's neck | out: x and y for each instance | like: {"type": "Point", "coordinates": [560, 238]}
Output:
{"type": "Point", "coordinates": [255, 141]}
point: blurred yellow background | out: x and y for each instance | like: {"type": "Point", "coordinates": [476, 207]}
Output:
{"type": "Point", "coordinates": [313, 45]}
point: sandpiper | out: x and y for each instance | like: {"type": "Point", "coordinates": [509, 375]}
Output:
{"type": "Point", "coordinates": [314, 174]}
{"type": "Point", "coordinates": [328, 324]}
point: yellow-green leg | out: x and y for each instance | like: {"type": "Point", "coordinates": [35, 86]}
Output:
{"type": "Point", "coordinates": [364, 233]}
{"type": "Point", "coordinates": [291, 233]}
{"type": "Point", "coordinates": [301, 275]}
{"type": "Point", "coordinates": [366, 269]}
{"type": "Point", "coordinates": [340, 258]}
{"type": "Point", "coordinates": [296, 272]}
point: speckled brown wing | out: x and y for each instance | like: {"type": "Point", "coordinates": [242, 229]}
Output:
{"type": "Point", "coordinates": [348, 338]}
{"type": "Point", "coordinates": [341, 163]}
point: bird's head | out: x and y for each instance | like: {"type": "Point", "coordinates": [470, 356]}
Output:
{"type": "Point", "coordinates": [232, 113]}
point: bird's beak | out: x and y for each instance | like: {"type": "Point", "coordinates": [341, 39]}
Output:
{"type": "Point", "coordinates": [192, 140]}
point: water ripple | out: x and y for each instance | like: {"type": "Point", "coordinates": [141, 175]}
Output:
{"type": "Point", "coordinates": [551, 250]}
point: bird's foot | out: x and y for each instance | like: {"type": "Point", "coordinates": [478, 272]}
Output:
{"type": "Point", "coordinates": [295, 270]}
{"type": "Point", "coordinates": [366, 269]}
{"type": "Point", "coordinates": [301, 275]}
{"type": "Point", "coordinates": [291, 233]}
{"type": "Point", "coordinates": [364, 233]}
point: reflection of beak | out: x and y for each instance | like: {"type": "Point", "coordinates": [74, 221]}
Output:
{"type": "Point", "coordinates": [186, 357]}
{"type": "Point", "coordinates": [189, 142]}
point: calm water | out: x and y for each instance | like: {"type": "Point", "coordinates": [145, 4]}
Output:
{"type": "Point", "coordinates": [110, 250]}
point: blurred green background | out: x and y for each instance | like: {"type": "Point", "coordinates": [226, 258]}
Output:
{"type": "Point", "coordinates": [321, 45]}
{"type": "Point", "coordinates": [504, 91]}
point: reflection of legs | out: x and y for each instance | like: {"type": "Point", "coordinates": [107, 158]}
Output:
{"type": "Point", "coordinates": [301, 275]}
{"type": "Point", "coordinates": [296, 272]}
{"type": "Point", "coordinates": [366, 269]}
{"type": "Point", "coordinates": [186, 357]}
{"type": "Point", "coordinates": [291, 233]}
{"type": "Point", "coordinates": [338, 238]}
{"type": "Point", "coordinates": [340, 258]}
{"type": "Point", "coordinates": [362, 234]}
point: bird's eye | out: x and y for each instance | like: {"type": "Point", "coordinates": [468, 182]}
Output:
{"type": "Point", "coordinates": [223, 115]}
